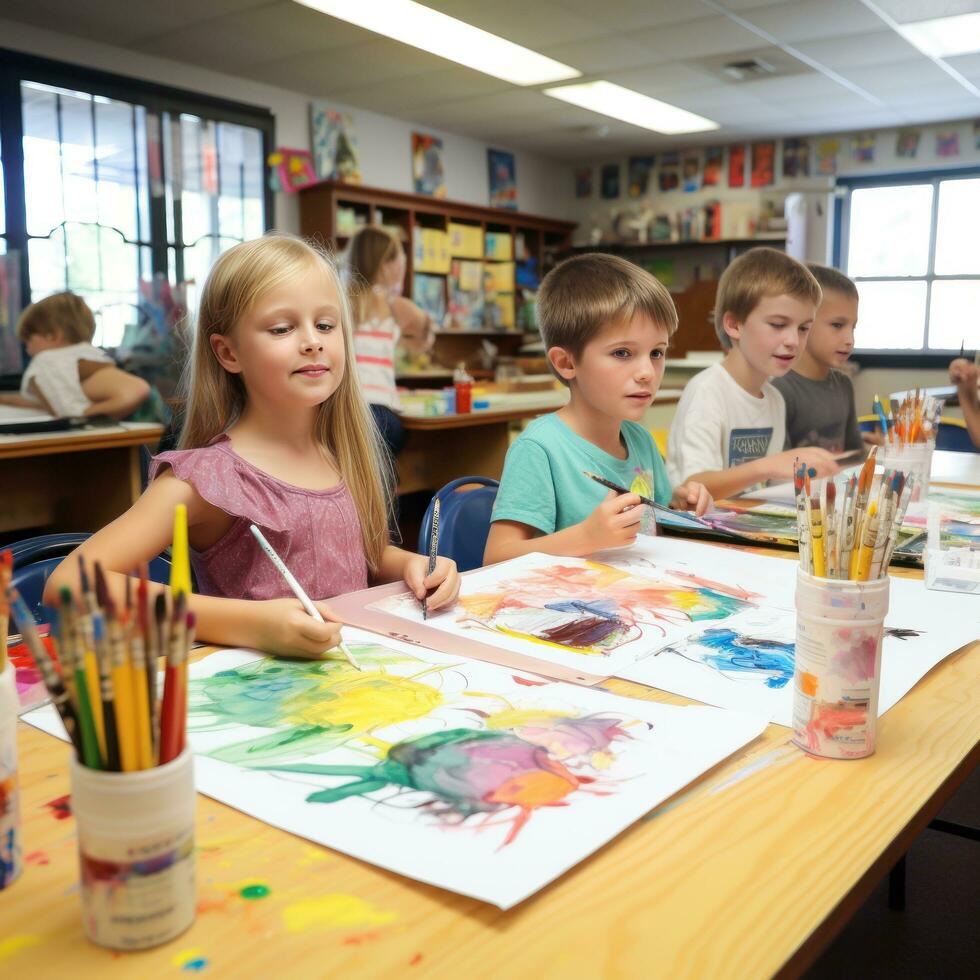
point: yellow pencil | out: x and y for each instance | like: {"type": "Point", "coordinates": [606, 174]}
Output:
{"type": "Point", "coordinates": [868, 539]}
{"type": "Point", "coordinates": [141, 705]}
{"type": "Point", "coordinates": [816, 537]}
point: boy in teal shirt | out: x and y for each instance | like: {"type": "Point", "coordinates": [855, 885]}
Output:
{"type": "Point", "coordinates": [606, 323]}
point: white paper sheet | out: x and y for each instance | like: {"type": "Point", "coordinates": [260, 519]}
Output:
{"type": "Point", "coordinates": [746, 662]}
{"type": "Point", "coordinates": [583, 614]}
{"type": "Point", "coordinates": [519, 780]}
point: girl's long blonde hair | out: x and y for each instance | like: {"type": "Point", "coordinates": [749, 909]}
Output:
{"type": "Point", "coordinates": [215, 397]}
{"type": "Point", "coordinates": [368, 251]}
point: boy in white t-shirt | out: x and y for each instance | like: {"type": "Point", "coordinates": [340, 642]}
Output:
{"type": "Point", "coordinates": [730, 427]}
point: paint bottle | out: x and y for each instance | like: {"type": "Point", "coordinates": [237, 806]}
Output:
{"type": "Point", "coordinates": [136, 852]}
{"type": "Point", "coordinates": [10, 839]}
{"type": "Point", "coordinates": [839, 626]}
{"type": "Point", "coordinates": [463, 384]}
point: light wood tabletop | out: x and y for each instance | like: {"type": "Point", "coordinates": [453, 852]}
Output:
{"type": "Point", "coordinates": [748, 872]}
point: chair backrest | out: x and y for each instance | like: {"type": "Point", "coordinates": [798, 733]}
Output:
{"type": "Point", "coordinates": [464, 521]}
{"type": "Point", "coordinates": [954, 437]}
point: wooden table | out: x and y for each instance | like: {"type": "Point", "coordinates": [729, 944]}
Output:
{"type": "Point", "coordinates": [748, 872]}
{"type": "Point", "coordinates": [71, 481]}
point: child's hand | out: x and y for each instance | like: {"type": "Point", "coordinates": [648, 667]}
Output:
{"type": "Point", "coordinates": [812, 456]}
{"type": "Point", "coordinates": [963, 373]}
{"type": "Point", "coordinates": [445, 581]}
{"type": "Point", "coordinates": [873, 438]}
{"type": "Point", "coordinates": [692, 496]}
{"type": "Point", "coordinates": [286, 629]}
{"type": "Point", "coordinates": [614, 523]}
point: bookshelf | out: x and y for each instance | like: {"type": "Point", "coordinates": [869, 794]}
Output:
{"type": "Point", "coordinates": [451, 244]}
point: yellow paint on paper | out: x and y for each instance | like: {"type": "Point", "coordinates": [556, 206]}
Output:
{"type": "Point", "coordinates": [12, 945]}
{"type": "Point", "coordinates": [335, 911]}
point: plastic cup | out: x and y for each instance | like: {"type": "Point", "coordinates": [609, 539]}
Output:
{"type": "Point", "coordinates": [136, 852]}
{"type": "Point", "coordinates": [839, 625]}
{"type": "Point", "coordinates": [11, 862]}
{"type": "Point", "coordinates": [913, 458]}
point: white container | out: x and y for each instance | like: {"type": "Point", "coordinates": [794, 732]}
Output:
{"type": "Point", "coordinates": [948, 567]}
{"type": "Point", "coordinates": [839, 626]}
{"type": "Point", "coordinates": [10, 839]}
{"type": "Point", "coordinates": [913, 459]}
{"type": "Point", "coordinates": [136, 852]}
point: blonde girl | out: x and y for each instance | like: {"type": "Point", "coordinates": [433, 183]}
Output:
{"type": "Point", "coordinates": [276, 433]}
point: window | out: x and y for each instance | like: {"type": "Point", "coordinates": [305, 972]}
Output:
{"type": "Point", "coordinates": [120, 181]}
{"type": "Point", "coordinates": [910, 244]}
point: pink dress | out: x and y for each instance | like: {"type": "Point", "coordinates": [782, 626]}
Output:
{"type": "Point", "coordinates": [317, 533]}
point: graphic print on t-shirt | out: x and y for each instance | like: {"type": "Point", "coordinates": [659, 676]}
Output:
{"type": "Point", "coordinates": [744, 445]}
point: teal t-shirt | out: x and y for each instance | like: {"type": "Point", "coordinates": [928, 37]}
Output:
{"type": "Point", "coordinates": [543, 485]}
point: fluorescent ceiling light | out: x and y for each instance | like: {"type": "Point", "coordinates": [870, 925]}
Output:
{"type": "Point", "coordinates": [632, 107]}
{"type": "Point", "coordinates": [435, 32]}
{"type": "Point", "coordinates": [944, 36]}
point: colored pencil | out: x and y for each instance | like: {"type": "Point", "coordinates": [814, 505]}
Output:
{"type": "Point", "coordinates": [297, 589]}
{"type": "Point", "coordinates": [433, 553]}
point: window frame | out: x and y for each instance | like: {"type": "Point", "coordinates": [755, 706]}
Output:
{"type": "Point", "coordinates": [842, 207]}
{"type": "Point", "coordinates": [16, 67]}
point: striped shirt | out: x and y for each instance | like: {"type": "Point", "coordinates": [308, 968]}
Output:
{"type": "Point", "coordinates": [374, 353]}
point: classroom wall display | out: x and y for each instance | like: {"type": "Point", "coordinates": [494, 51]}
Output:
{"type": "Point", "coordinates": [428, 173]}
{"type": "Point", "coordinates": [669, 176]}
{"type": "Point", "coordinates": [464, 775]}
{"type": "Point", "coordinates": [583, 182]}
{"type": "Point", "coordinates": [609, 181]}
{"type": "Point", "coordinates": [736, 165]}
{"type": "Point", "coordinates": [863, 147]}
{"type": "Point", "coordinates": [827, 153]}
{"type": "Point", "coordinates": [714, 157]}
{"type": "Point", "coordinates": [638, 175]}
{"type": "Point", "coordinates": [466, 299]}
{"type": "Point", "coordinates": [429, 292]}
{"type": "Point", "coordinates": [502, 174]}
{"type": "Point", "coordinates": [948, 143]}
{"type": "Point", "coordinates": [907, 143]}
{"type": "Point", "coordinates": [763, 163]}
{"type": "Point", "coordinates": [691, 171]}
{"type": "Point", "coordinates": [290, 169]}
{"type": "Point", "coordinates": [335, 152]}
{"type": "Point", "coordinates": [796, 158]}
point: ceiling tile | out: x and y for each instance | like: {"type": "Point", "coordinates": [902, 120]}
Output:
{"type": "Point", "coordinates": [792, 22]}
{"type": "Point", "coordinates": [600, 55]}
{"type": "Point", "coordinates": [416, 91]}
{"type": "Point", "coordinates": [532, 24]}
{"type": "Point", "coordinates": [712, 35]}
{"type": "Point", "coordinates": [628, 15]}
{"type": "Point", "coordinates": [861, 50]}
{"type": "Point", "coordinates": [886, 80]}
{"type": "Point", "coordinates": [906, 11]}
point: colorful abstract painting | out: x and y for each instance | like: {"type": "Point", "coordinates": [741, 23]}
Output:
{"type": "Point", "coordinates": [582, 614]}
{"type": "Point", "coordinates": [465, 775]}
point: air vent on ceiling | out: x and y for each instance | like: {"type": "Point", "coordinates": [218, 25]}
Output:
{"type": "Point", "coordinates": [748, 69]}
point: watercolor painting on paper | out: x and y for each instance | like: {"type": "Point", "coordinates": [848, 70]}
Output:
{"type": "Point", "coordinates": [582, 614]}
{"type": "Point", "coordinates": [461, 774]}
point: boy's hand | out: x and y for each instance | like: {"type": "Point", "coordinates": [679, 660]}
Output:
{"type": "Point", "coordinates": [285, 628]}
{"type": "Point", "coordinates": [692, 496]}
{"type": "Point", "coordinates": [963, 373]}
{"type": "Point", "coordinates": [873, 438]}
{"type": "Point", "coordinates": [444, 579]}
{"type": "Point", "coordinates": [614, 523]}
{"type": "Point", "coordinates": [813, 456]}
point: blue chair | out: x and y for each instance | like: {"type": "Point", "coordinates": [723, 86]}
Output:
{"type": "Point", "coordinates": [464, 520]}
{"type": "Point", "coordinates": [954, 436]}
{"type": "Point", "coordinates": [35, 559]}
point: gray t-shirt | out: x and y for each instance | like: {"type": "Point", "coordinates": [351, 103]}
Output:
{"type": "Point", "coordinates": [820, 413]}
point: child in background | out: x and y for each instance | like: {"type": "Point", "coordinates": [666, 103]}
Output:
{"type": "Point", "coordinates": [276, 433]}
{"type": "Point", "coordinates": [67, 375]}
{"type": "Point", "coordinates": [966, 376]}
{"type": "Point", "coordinates": [605, 323]}
{"type": "Point", "coordinates": [729, 430]}
{"type": "Point", "coordinates": [819, 397]}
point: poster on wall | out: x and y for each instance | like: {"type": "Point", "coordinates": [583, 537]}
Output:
{"type": "Point", "coordinates": [907, 143]}
{"type": "Point", "coordinates": [583, 182]}
{"type": "Point", "coordinates": [827, 153]}
{"type": "Point", "coordinates": [691, 171]}
{"type": "Point", "coordinates": [714, 157]}
{"type": "Point", "coordinates": [947, 143]}
{"type": "Point", "coordinates": [609, 181]}
{"type": "Point", "coordinates": [428, 173]}
{"type": "Point", "coordinates": [736, 165]}
{"type": "Point", "coordinates": [638, 175]}
{"type": "Point", "coordinates": [863, 147]}
{"type": "Point", "coordinates": [335, 155]}
{"type": "Point", "coordinates": [670, 171]}
{"type": "Point", "coordinates": [503, 179]}
{"type": "Point", "coordinates": [796, 158]}
{"type": "Point", "coordinates": [763, 163]}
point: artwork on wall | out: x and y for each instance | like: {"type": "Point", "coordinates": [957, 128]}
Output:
{"type": "Point", "coordinates": [609, 181]}
{"type": "Point", "coordinates": [691, 171]}
{"type": "Point", "coordinates": [763, 163]}
{"type": "Point", "coordinates": [290, 169]}
{"type": "Point", "coordinates": [428, 173]}
{"type": "Point", "coordinates": [583, 182]}
{"type": "Point", "coordinates": [736, 165]}
{"type": "Point", "coordinates": [638, 175]}
{"type": "Point", "coordinates": [503, 179]}
{"type": "Point", "coordinates": [907, 143]}
{"type": "Point", "coordinates": [796, 158]}
{"type": "Point", "coordinates": [948, 143]}
{"type": "Point", "coordinates": [863, 147]}
{"type": "Point", "coordinates": [335, 151]}
{"type": "Point", "coordinates": [714, 157]}
{"type": "Point", "coordinates": [827, 153]}
{"type": "Point", "coordinates": [669, 176]}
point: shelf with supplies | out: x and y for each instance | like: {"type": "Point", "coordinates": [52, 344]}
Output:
{"type": "Point", "coordinates": [733, 246]}
{"type": "Point", "coordinates": [467, 265]}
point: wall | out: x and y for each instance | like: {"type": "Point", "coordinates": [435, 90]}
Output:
{"type": "Point", "coordinates": [384, 142]}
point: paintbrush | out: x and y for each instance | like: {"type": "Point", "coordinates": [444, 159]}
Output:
{"type": "Point", "coordinates": [433, 553]}
{"type": "Point", "coordinates": [683, 515]}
